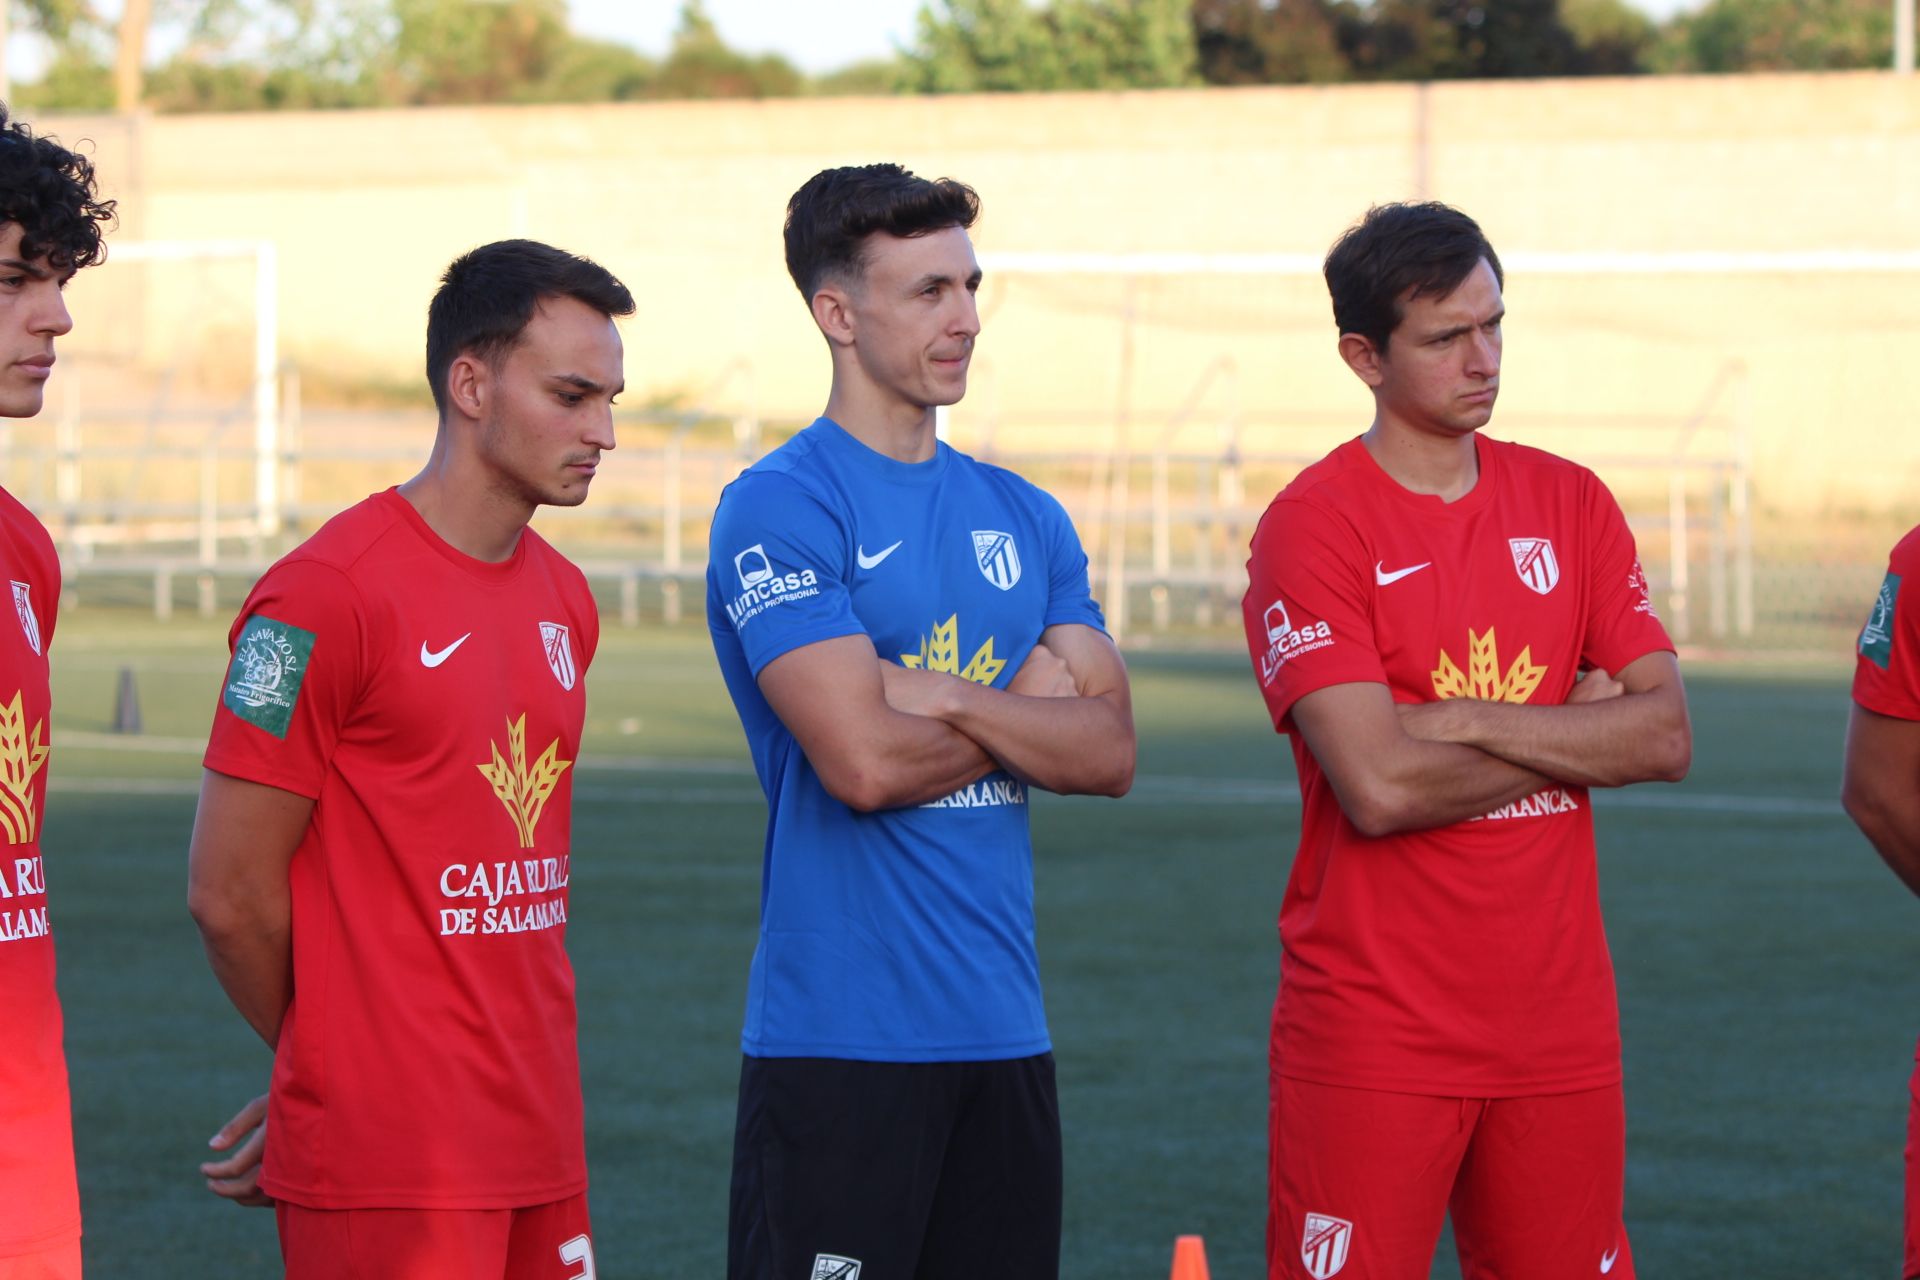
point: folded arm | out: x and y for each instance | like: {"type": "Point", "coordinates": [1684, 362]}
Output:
{"type": "Point", "coordinates": [244, 837]}
{"type": "Point", "coordinates": [1641, 735]}
{"type": "Point", "coordinates": [1068, 731]}
{"type": "Point", "coordinates": [1881, 788]}
{"type": "Point", "coordinates": [869, 756]}
{"type": "Point", "coordinates": [1388, 780]}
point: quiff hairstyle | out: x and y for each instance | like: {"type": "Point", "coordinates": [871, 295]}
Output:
{"type": "Point", "coordinates": [488, 295]}
{"type": "Point", "coordinates": [830, 218]}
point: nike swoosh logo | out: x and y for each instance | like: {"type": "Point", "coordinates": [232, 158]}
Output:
{"type": "Point", "coordinates": [1381, 576]}
{"type": "Point", "coordinates": [873, 561]}
{"type": "Point", "coordinates": [428, 658]}
{"type": "Point", "coordinates": [1607, 1259]}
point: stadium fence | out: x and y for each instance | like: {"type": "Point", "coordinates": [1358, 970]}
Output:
{"type": "Point", "coordinates": [155, 478]}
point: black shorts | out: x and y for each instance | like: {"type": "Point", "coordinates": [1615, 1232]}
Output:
{"type": "Point", "coordinates": [895, 1171]}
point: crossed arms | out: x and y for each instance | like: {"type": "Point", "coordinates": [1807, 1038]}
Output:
{"type": "Point", "coordinates": [881, 736]}
{"type": "Point", "coordinates": [1410, 767]}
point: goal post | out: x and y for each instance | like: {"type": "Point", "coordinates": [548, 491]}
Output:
{"type": "Point", "coordinates": [265, 257]}
{"type": "Point", "coordinates": [162, 434]}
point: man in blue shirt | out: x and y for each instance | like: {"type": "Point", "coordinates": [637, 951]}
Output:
{"type": "Point", "coordinates": [910, 642]}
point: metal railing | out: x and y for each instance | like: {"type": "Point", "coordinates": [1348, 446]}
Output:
{"type": "Point", "coordinates": [1165, 527]}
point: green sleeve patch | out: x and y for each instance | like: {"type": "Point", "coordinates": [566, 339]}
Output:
{"type": "Point", "coordinates": [269, 665]}
{"type": "Point", "coordinates": [1876, 638]}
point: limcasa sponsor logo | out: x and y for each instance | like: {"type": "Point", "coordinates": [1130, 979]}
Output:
{"type": "Point", "coordinates": [762, 586]}
{"type": "Point", "coordinates": [1286, 641]}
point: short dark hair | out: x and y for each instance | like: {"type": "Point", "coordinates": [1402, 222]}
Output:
{"type": "Point", "coordinates": [1396, 253]}
{"type": "Point", "coordinates": [50, 192]}
{"type": "Point", "coordinates": [488, 295]}
{"type": "Point", "coordinates": [830, 218]}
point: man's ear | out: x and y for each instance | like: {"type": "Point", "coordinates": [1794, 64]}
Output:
{"type": "Point", "coordinates": [833, 312]}
{"type": "Point", "coordinates": [469, 386]}
{"type": "Point", "coordinates": [1363, 358]}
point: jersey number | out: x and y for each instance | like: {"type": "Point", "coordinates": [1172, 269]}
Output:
{"type": "Point", "coordinates": [579, 1249]}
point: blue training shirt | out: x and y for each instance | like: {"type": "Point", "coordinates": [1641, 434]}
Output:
{"type": "Point", "coordinates": [904, 935]}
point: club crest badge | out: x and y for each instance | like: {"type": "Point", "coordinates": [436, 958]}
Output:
{"type": "Point", "coordinates": [831, 1266]}
{"type": "Point", "coordinates": [559, 650]}
{"type": "Point", "coordinates": [1534, 561]}
{"type": "Point", "coordinates": [1324, 1245]}
{"type": "Point", "coordinates": [24, 607]}
{"type": "Point", "coordinates": [998, 558]}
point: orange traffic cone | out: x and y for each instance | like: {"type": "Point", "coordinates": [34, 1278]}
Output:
{"type": "Point", "coordinates": [1190, 1259]}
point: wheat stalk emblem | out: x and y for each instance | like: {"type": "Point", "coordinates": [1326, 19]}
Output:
{"type": "Point", "coordinates": [941, 652]}
{"type": "Point", "coordinates": [1483, 679]}
{"type": "Point", "coordinates": [20, 759]}
{"type": "Point", "coordinates": [524, 791]}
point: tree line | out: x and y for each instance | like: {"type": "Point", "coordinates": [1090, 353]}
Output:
{"type": "Point", "coordinates": [250, 55]}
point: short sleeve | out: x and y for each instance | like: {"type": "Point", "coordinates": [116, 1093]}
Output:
{"type": "Point", "coordinates": [1069, 590]}
{"type": "Point", "coordinates": [778, 569]}
{"type": "Point", "coordinates": [298, 653]}
{"type": "Point", "coordinates": [589, 616]}
{"type": "Point", "coordinates": [1621, 624]}
{"type": "Point", "coordinates": [32, 543]}
{"type": "Point", "coordinates": [50, 619]}
{"type": "Point", "coordinates": [1886, 673]}
{"type": "Point", "coordinates": [1308, 608]}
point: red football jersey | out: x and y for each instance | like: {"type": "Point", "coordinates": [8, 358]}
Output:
{"type": "Point", "coordinates": [1886, 672]}
{"type": "Point", "coordinates": [39, 1200]}
{"type": "Point", "coordinates": [431, 705]}
{"type": "Point", "coordinates": [1469, 959]}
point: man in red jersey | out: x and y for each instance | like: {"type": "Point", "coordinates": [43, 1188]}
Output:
{"type": "Point", "coordinates": [50, 227]}
{"type": "Point", "coordinates": [380, 860]}
{"type": "Point", "coordinates": [1422, 604]}
{"type": "Point", "coordinates": [1881, 787]}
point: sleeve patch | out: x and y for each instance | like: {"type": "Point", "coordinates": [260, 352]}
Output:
{"type": "Point", "coordinates": [1287, 640]}
{"type": "Point", "coordinates": [270, 661]}
{"type": "Point", "coordinates": [1876, 638]}
{"type": "Point", "coordinates": [762, 586]}
{"type": "Point", "coordinates": [1638, 591]}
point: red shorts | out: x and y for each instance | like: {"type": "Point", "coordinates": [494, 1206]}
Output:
{"type": "Point", "coordinates": [56, 1262]}
{"type": "Point", "coordinates": [546, 1242]}
{"type": "Point", "coordinates": [1360, 1183]}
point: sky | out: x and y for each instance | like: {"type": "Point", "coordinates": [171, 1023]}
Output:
{"type": "Point", "coordinates": [816, 35]}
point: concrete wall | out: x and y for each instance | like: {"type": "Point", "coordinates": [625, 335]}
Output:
{"type": "Point", "coordinates": [684, 202]}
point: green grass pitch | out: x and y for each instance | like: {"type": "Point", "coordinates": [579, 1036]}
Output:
{"type": "Point", "coordinates": [1766, 964]}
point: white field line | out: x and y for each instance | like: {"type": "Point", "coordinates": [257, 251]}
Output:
{"type": "Point", "coordinates": [124, 786]}
{"type": "Point", "coordinates": [189, 787]}
{"type": "Point", "coordinates": [1227, 791]}
{"type": "Point", "coordinates": [1150, 789]}
{"type": "Point", "coordinates": [79, 740]}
